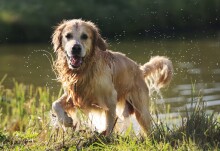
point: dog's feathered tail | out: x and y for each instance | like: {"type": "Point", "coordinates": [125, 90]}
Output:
{"type": "Point", "coordinates": [158, 73]}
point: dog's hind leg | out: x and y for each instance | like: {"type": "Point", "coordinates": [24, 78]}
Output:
{"type": "Point", "coordinates": [141, 110]}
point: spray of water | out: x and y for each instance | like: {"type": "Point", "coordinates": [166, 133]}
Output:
{"type": "Point", "coordinates": [48, 55]}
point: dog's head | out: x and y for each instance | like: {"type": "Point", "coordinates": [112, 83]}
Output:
{"type": "Point", "coordinates": [77, 39]}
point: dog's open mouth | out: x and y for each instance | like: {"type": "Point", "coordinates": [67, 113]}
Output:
{"type": "Point", "coordinates": [76, 61]}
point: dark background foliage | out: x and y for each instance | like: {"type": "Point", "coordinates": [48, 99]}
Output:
{"type": "Point", "coordinates": [32, 20]}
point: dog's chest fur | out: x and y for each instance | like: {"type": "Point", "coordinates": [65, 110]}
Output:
{"type": "Point", "coordinates": [94, 88]}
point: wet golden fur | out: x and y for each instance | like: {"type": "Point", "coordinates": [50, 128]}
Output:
{"type": "Point", "coordinates": [107, 83]}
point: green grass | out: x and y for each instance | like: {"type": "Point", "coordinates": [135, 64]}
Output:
{"type": "Point", "coordinates": [25, 125]}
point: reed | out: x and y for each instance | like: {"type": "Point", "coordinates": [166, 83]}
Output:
{"type": "Point", "coordinates": [25, 125]}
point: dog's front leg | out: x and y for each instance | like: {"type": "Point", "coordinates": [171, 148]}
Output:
{"type": "Point", "coordinates": [58, 107]}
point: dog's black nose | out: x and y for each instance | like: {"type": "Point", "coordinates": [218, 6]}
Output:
{"type": "Point", "coordinates": [76, 49]}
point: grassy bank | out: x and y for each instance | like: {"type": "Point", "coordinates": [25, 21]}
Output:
{"type": "Point", "coordinates": [25, 125]}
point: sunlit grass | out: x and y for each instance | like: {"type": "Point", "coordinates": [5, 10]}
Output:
{"type": "Point", "coordinates": [25, 125]}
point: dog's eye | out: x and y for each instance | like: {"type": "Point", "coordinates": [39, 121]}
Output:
{"type": "Point", "coordinates": [84, 37]}
{"type": "Point", "coordinates": [69, 36]}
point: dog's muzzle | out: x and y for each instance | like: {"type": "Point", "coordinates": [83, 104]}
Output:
{"type": "Point", "coordinates": [75, 59]}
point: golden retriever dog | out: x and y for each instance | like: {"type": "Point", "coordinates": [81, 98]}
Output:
{"type": "Point", "coordinates": [102, 82]}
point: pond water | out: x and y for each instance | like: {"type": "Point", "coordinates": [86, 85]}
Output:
{"type": "Point", "coordinates": [196, 64]}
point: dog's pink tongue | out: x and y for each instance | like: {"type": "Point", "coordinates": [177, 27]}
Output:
{"type": "Point", "coordinates": [76, 61]}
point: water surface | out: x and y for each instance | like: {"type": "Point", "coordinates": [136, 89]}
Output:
{"type": "Point", "coordinates": [196, 64]}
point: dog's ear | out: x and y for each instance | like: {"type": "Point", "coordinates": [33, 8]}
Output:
{"type": "Point", "coordinates": [100, 42]}
{"type": "Point", "coordinates": [57, 36]}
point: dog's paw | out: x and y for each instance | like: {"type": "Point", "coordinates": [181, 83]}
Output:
{"type": "Point", "coordinates": [66, 121]}
{"type": "Point", "coordinates": [103, 133]}
{"type": "Point", "coordinates": [63, 120]}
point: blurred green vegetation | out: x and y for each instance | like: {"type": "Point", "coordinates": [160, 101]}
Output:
{"type": "Point", "coordinates": [26, 124]}
{"type": "Point", "coordinates": [32, 20]}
